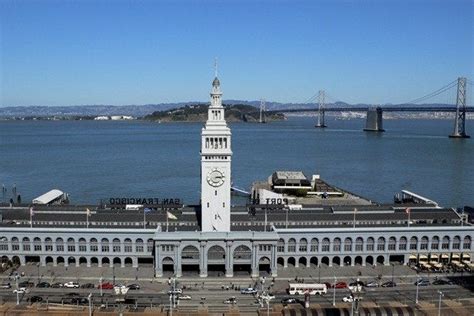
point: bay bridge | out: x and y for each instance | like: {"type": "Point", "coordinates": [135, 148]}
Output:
{"type": "Point", "coordinates": [374, 119]}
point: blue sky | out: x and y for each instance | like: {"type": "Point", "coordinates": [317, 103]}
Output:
{"type": "Point", "coordinates": [140, 52]}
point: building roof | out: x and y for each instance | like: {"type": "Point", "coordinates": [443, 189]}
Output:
{"type": "Point", "coordinates": [48, 197]}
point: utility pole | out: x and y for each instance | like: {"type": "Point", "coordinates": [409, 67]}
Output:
{"type": "Point", "coordinates": [460, 119]}
{"type": "Point", "coordinates": [321, 117]}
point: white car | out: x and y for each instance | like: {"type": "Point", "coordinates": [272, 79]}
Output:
{"type": "Point", "coordinates": [21, 290]}
{"type": "Point", "coordinates": [348, 299]}
{"type": "Point", "coordinates": [184, 297]}
{"type": "Point", "coordinates": [176, 291]}
{"type": "Point", "coordinates": [71, 285]}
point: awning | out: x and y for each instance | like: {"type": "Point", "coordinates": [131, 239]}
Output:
{"type": "Point", "coordinates": [466, 256]}
{"type": "Point", "coordinates": [424, 257]}
{"type": "Point", "coordinates": [433, 256]}
{"type": "Point", "coordinates": [455, 256]}
{"type": "Point", "coordinates": [412, 257]}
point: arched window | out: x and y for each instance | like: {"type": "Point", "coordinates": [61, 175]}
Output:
{"type": "Point", "coordinates": [348, 244]}
{"type": "Point", "coordinates": [82, 245]}
{"type": "Point", "coordinates": [48, 244]}
{"type": "Point", "coordinates": [381, 244]}
{"type": "Point", "coordinates": [127, 245]}
{"type": "Point", "coordinates": [3, 243]}
{"type": "Point", "coordinates": [359, 244]}
{"type": "Point", "coordinates": [392, 244]}
{"type": "Point", "coordinates": [336, 244]}
{"type": "Point", "coordinates": [94, 247]}
{"type": "Point", "coordinates": [413, 243]}
{"type": "Point", "coordinates": [116, 245]}
{"type": "Point", "coordinates": [71, 245]}
{"type": "Point", "coordinates": [303, 247]}
{"type": "Point", "coordinates": [281, 245]}
{"type": "Point", "coordinates": [149, 245]}
{"type": "Point", "coordinates": [402, 244]}
{"type": "Point", "coordinates": [291, 245]}
{"type": "Point", "coordinates": [424, 243]}
{"type": "Point", "coordinates": [435, 243]}
{"type": "Point", "coordinates": [370, 244]}
{"type": "Point", "coordinates": [457, 242]}
{"type": "Point", "coordinates": [37, 244]}
{"type": "Point", "coordinates": [325, 245]}
{"type": "Point", "coordinates": [467, 242]}
{"type": "Point", "coordinates": [59, 245]}
{"type": "Point", "coordinates": [445, 243]}
{"type": "Point", "coordinates": [314, 245]}
{"type": "Point", "coordinates": [139, 245]}
{"type": "Point", "coordinates": [104, 245]}
{"type": "Point", "coordinates": [15, 244]}
{"type": "Point", "coordinates": [26, 244]}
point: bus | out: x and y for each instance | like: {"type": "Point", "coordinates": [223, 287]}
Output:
{"type": "Point", "coordinates": [312, 289]}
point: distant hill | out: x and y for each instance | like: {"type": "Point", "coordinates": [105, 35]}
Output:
{"type": "Point", "coordinates": [147, 109]}
{"type": "Point", "coordinates": [198, 113]}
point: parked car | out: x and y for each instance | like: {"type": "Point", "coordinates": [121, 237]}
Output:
{"type": "Point", "coordinates": [88, 286]}
{"type": "Point", "coordinates": [441, 282]}
{"type": "Point", "coordinates": [340, 285]}
{"type": "Point", "coordinates": [348, 299]}
{"type": "Point", "coordinates": [35, 299]}
{"type": "Point", "coordinates": [389, 284]}
{"type": "Point", "coordinates": [56, 285]}
{"type": "Point", "coordinates": [5, 286]}
{"type": "Point", "coordinates": [184, 297]}
{"type": "Point", "coordinates": [288, 300]}
{"type": "Point", "coordinates": [422, 282]}
{"type": "Point", "coordinates": [133, 287]}
{"type": "Point", "coordinates": [43, 284]}
{"type": "Point", "coordinates": [73, 285]}
{"type": "Point", "coordinates": [106, 286]}
{"type": "Point", "coordinates": [372, 284]}
{"type": "Point", "coordinates": [249, 290]}
{"type": "Point", "coordinates": [26, 284]}
{"type": "Point", "coordinates": [73, 294]}
{"type": "Point", "coordinates": [231, 300]}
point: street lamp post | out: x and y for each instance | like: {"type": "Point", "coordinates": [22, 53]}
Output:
{"type": "Point", "coordinates": [89, 297]}
{"type": "Point", "coordinates": [417, 282]}
{"type": "Point", "coordinates": [439, 302]}
{"type": "Point", "coordinates": [100, 286]}
{"type": "Point", "coordinates": [17, 294]}
{"type": "Point", "coordinates": [334, 292]}
{"type": "Point", "coordinates": [38, 266]}
{"type": "Point", "coordinates": [113, 273]}
{"type": "Point", "coordinates": [319, 273]}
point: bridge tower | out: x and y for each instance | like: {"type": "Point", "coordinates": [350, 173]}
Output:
{"type": "Point", "coordinates": [460, 119]}
{"type": "Point", "coordinates": [374, 120]}
{"type": "Point", "coordinates": [262, 111]}
{"type": "Point", "coordinates": [321, 117]}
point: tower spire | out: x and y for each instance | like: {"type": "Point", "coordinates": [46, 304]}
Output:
{"type": "Point", "coordinates": [215, 67]}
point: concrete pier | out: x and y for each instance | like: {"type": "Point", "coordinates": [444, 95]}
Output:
{"type": "Point", "coordinates": [374, 121]}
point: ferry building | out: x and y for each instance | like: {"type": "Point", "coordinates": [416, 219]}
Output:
{"type": "Point", "coordinates": [278, 228]}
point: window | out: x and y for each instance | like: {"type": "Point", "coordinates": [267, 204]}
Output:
{"type": "Point", "coordinates": [402, 244]}
{"type": "Point", "coordinates": [116, 245]}
{"type": "Point", "coordinates": [359, 244]}
{"type": "Point", "coordinates": [150, 245]}
{"type": "Point", "coordinates": [348, 244]}
{"type": "Point", "coordinates": [467, 242]}
{"type": "Point", "coordinates": [59, 245]}
{"type": "Point", "coordinates": [105, 245]}
{"type": "Point", "coordinates": [71, 246]}
{"type": "Point", "coordinates": [26, 244]}
{"type": "Point", "coordinates": [370, 244]}
{"type": "Point", "coordinates": [292, 245]}
{"type": "Point", "coordinates": [456, 242]}
{"type": "Point", "coordinates": [392, 244]}
{"type": "Point", "coordinates": [303, 245]}
{"type": "Point", "coordinates": [435, 243]}
{"type": "Point", "coordinates": [265, 247]}
{"type": "Point", "coordinates": [325, 245]}
{"type": "Point", "coordinates": [93, 245]}
{"type": "Point", "coordinates": [336, 244]}
{"type": "Point", "coordinates": [413, 243]}
{"type": "Point", "coordinates": [314, 245]}
{"type": "Point", "coordinates": [424, 243]}
{"type": "Point", "coordinates": [281, 245]}
{"type": "Point", "coordinates": [15, 244]}
{"type": "Point", "coordinates": [445, 244]}
{"type": "Point", "coordinates": [139, 245]}
{"type": "Point", "coordinates": [381, 244]}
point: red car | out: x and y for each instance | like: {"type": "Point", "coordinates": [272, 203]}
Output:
{"type": "Point", "coordinates": [106, 286]}
{"type": "Point", "coordinates": [341, 285]}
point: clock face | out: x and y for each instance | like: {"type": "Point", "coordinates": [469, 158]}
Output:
{"type": "Point", "coordinates": [215, 177]}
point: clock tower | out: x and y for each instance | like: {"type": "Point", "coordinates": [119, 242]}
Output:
{"type": "Point", "coordinates": [216, 156]}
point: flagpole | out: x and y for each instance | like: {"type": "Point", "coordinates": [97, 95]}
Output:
{"type": "Point", "coordinates": [144, 219]}
{"type": "Point", "coordinates": [265, 219]}
{"type": "Point", "coordinates": [166, 221]}
{"type": "Point", "coordinates": [354, 222]}
{"type": "Point", "coordinates": [31, 218]}
{"type": "Point", "coordinates": [409, 213]}
{"type": "Point", "coordinates": [87, 219]}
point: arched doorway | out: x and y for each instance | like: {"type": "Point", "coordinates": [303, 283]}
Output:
{"type": "Point", "coordinates": [358, 260]}
{"type": "Point", "coordinates": [216, 261]}
{"type": "Point", "coordinates": [347, 261]}
{"type": "Point", "coordinates": [302, 261]}
{"type": "Point", "coordinates": [369, 260]}
{"type": "Point", "coordinates": [325, 260]}
{"type": "Point", "coordinates": [16, 261]}
{"type": "Point", "coordinates": [60, 261]}
{"type": "Point", "coordinates": [336, 261]}
{"type": "Point", "coordinates": [71, 261]}
{"type": "Point", "coordinates": [117, 261]}
{"type": "Point", "coordinates": [264, 267]}
{"type": "Point", "coordinates": [291, 262]}
{"type": "Point", "coordinates": [168, 266]}
{"type": "Point", "coordinates": [128, 262]}
{"type": "Point", "coordinates": [49, 260]}
{"type": "Point", "coordinates": [381, 259]}
{"type": "Point", "coordinates": [313, 262]}
{"type": "Point", "coordinates": [105, 261]}
{"type": "Point", "coordinates": [280, 262]}
{"type": "Point", "coordinates": [242, 260]}
{"type": "Point", "coordinates": [94, 261]}
{"type": "Point", "coordinates": [190, 261]}
{"type": "Point", "coordinates": [82, 261]}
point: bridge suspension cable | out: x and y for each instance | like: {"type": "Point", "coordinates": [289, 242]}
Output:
{"type": "Point", "coordinates": [450, 85]}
